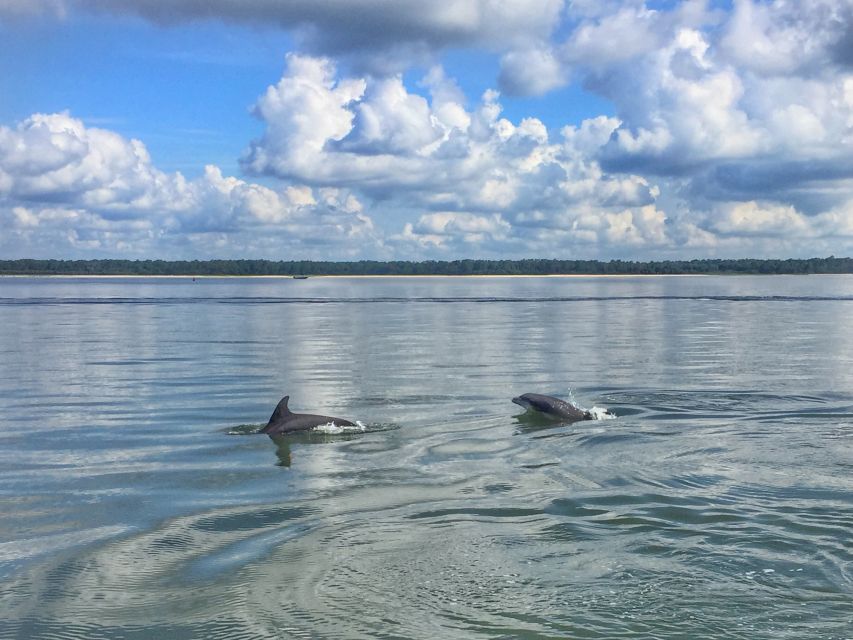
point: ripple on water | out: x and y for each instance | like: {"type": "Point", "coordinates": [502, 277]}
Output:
{"type": "Point", "coordinates": [709, 508]}
{"type": "Point", "coordinates": [469, 448]}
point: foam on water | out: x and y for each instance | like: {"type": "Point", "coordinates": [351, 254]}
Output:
{"type": "Point", "coordinates": [600, 413]}
{"type": "Point", "coordinates": [333, 429]}
{"type": "Point", "coordinates": [244, 429]}
{"type": "Point", "coordinates": [597, 413]}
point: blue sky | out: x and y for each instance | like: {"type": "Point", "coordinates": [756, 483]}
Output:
{"type": "Point", "coordinates": [462, 128]}
{"type": "Point", "coordinates": [185, 90]}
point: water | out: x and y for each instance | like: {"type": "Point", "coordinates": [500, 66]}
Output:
{"type": "Point", "coordinates": [136, 502]}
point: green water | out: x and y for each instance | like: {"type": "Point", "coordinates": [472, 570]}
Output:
{"type": "Point", "coordinates": [136, 502]}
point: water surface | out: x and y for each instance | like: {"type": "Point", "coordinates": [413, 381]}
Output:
{"type": "Point", "coordinates": [137, 504]}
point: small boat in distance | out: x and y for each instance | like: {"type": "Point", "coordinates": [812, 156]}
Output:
{"type": "Point", "coordinates": [300, 277]}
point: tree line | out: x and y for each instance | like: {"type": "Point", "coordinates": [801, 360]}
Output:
{"type": "Point", "coordinates": [429, 267]}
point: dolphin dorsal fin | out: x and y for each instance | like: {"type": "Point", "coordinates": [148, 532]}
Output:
{"type": "Point", "coordinates": [281, 410]}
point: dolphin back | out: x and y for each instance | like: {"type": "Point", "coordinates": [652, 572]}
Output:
{"type": "Point", "coordinates": [306, 422]}
{"type": "Point", "coordinates": [283, 420]}
{"type": "Point", "coordinates": [555, 407]}
{"type": "Point", "coordinates": [281, 412]}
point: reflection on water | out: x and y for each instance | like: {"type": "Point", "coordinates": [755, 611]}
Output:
{"type": "Point", "coordinates": [141, 504]}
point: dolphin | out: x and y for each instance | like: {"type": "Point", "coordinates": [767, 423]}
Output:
{"type": "Point", "coordinates": [553, 408]}
{"type": "Point", "coordinates": [283, 420]}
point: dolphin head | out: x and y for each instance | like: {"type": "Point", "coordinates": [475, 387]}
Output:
{"type": "Point", "coordinates": [522, 401]}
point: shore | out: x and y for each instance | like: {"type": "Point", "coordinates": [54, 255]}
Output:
{"type": "Point", "coordinates": [313, 277]}
{"type": "Point", "coordinates": [399, 276]}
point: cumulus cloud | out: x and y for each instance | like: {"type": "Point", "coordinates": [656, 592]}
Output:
{"type": "Point", "coordinates": [474, 176]}
{"type": "Point", "coordinates": [442, 176]}
{"type": "Point", "coordinates": [753, 218]}
{"type": "Point", "coordinates": [97, 190]}
{"type": "Point", "coordinates": [390, 120]}
{"type": "Point", "coordinates": [781, 38]}
{"type": "Point", "coordinates": [731, 130]}
{"type": "Point", "coordinates": [686, 110]}
{"type": "Point", "coordinates": [725, 107]}
{"type": "Point", "coordinates": [604, 38]}
{"type": "Point", "coordinates": [453, 228]}
{"type": "Point", "coordinates": [531, 72]}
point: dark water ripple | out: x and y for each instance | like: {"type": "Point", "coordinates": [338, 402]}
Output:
{"type": "Point", "coordinates": [141, 503]}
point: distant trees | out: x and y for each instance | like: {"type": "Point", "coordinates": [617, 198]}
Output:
{"type": "Point", "coordinates": [429, 267]}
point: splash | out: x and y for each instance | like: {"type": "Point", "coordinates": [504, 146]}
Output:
{"type": "Point", "coordinates": [572, 399]}
{"type": "Point", "coordinates": [596, 413]}
{"type": "Point", "coordinates": [600, 413]}
{"type": "Point", "coordinates": [333, 429]}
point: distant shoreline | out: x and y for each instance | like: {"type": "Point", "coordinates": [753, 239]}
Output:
{"type": "Point", "coordinates": [326, 277]}
{"type": "Point", "coordinates": [429, 268]}
{"type": "Point", "coordinates": [136, 276]}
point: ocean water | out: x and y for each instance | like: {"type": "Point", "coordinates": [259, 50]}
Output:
{"type": "Point", "coordinates": [136, 501]}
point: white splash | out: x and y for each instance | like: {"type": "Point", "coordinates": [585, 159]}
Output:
{"type": "Point", "coordinates": [332, 429]}
{"type": "Point", "coordinates": [596, 413]}
{"type": "Point", "coordinates": [600, 413]}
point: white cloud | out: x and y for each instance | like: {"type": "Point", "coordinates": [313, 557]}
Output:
{"type": "Point", "coordinates": [750, 105]}
{"type": "Point", "coordinates": [460, 171]}
{"type": "Point", "coordinates": [386, 138]}
{"type": "Point", "coordinates": [837, 222]}
{"type": "Point", "coordinates": [100, 191]}
{"type": "Point", "coordinates": [23, 217]}
{"type": "Point", "coordinates": [754, 218]}
{"type": "Point", "coordinates": [447, 228]}
{"type": "Point", "coordinates": [305, 111]}
{"type": "Point", "coordinates": [531, 72]}
{"type": "Point", "coordinates": [613, 37]}
{"type": "Point", "coordinates": [476, 180]}
{"type": "Point", "coordinates": [683, 110]}
{"type": "Point", "coordinates": [782, 37]}
{"type": "Point", "coordinates": [732, 129]}
{"type": "Point", "coordinates": [390, 120]}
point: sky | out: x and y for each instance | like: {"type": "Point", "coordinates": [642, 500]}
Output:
{"type": "Point", "coordinates": [403, 129]}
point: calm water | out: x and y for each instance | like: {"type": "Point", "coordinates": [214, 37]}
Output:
{"type": "Point", "coordinates": [137, 504]}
